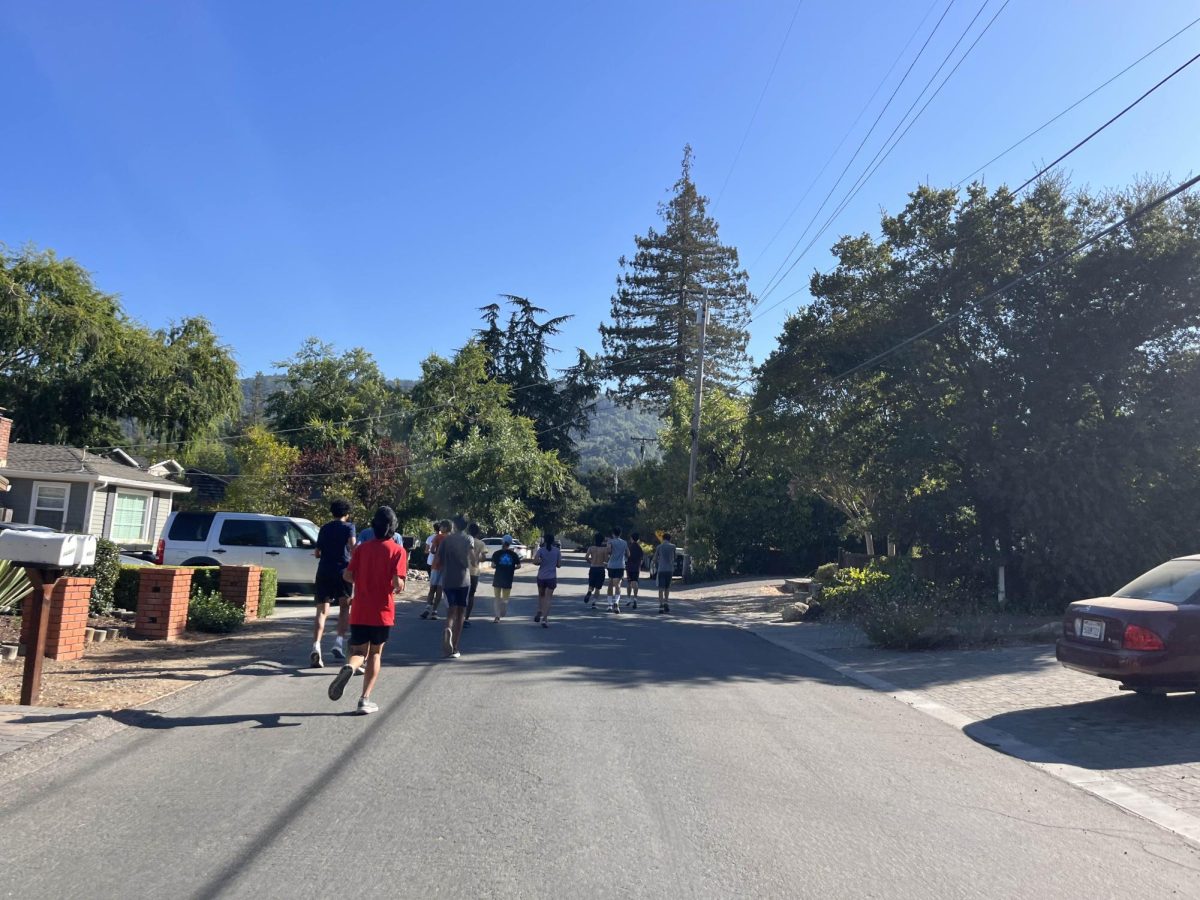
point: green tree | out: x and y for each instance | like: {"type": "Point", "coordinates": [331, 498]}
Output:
{"type": "Point", "coordinates": [262, 482]}
{"type": "Point", "coordinates": [652, 339]}
{"type": "Point", "coordinates": [560, 407]}
{"type": "Point", "coordinates": [1050, 428]}
{"type": "Point", "coordinates": [77, 370]}
{"type": "Point", "coordinates": [327, 398]}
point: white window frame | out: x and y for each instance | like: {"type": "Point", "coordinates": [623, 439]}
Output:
{"type": "Point", "coordinates": [34, 509]}
{"type": "Point", "coordinates": [146, 513]}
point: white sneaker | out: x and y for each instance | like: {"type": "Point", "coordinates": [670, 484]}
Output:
{"type": "Point", "coordinates": [366, 707]}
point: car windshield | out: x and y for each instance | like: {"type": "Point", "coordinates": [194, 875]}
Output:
{"type": "Point", "coordinates": [1177, 581]}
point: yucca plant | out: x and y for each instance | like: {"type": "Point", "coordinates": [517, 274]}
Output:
{"type": "Point", "coordinates": [14, 585]}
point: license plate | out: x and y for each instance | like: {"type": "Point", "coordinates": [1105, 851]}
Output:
{"type": "Point", "coordinates": [1091, 629]}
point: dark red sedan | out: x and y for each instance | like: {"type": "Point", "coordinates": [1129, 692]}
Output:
{"type": "Point", "coordinates": [1146, 635]}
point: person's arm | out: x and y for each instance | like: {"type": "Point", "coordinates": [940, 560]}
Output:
{"type": "Point", "coordinates": [348, 572]}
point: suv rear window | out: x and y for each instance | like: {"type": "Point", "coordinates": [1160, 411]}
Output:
{"type": "Point", "coordinates": [244, 533]}
{"type": "Point", "coordinates": [191, 526]}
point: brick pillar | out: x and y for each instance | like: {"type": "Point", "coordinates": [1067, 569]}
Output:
{"type": "Point", "coordinates": [68, 618]}
{"type": "Point", "coordinates": [240, 586]}
{"type": "Point", "coordinates": [162, 602]}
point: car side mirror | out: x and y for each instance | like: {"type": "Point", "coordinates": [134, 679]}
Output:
{"type": "Point", "coordinates": [306, 544]}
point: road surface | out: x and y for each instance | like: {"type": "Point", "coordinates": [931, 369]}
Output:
{"type": "Point", "coordinates": [631, 756]}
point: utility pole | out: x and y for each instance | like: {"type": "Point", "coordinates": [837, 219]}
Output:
{"type": "Point", "coordinates": [702, 321]}
{"type": "Point", "coordinates": [643, 441]}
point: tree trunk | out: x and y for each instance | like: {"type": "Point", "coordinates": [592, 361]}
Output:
{"type": "Point", "coordinates": [869, 540]}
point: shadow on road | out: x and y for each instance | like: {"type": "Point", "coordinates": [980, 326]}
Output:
{"type": "Point", "coordinates": [1120, 732]}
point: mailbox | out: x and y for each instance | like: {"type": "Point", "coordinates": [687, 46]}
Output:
{"type": "Point", "coordinates": [47, 550]}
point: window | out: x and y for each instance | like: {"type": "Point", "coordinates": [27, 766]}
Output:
{"type": "Point", "coordinates": [244, 533]}
{"type": "Point", "coordinates": [49, 505]}
{"type": "Point", "coordinates": [131, 514]}
{"type": "Point", "coordinates": [1177, 581]}
{"type": "Point", "coordinates": [285, 534]}
{"type": "Point", "coordinates": [191, 526]}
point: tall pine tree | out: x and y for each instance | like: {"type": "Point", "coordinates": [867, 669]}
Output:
{"type": "Point", "coordinates": [652, 338]}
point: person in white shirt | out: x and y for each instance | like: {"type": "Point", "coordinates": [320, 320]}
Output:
{"type": "Point", "coordinates": [664, 565]}
{"type": "Point", "coordinates": [617, 550]}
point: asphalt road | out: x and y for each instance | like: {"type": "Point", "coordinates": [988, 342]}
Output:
{"type": "Point", "coordinates": [604, 757]}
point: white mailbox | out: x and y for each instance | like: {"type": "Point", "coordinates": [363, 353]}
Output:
{"type": "Point", "coordinates": [47, 550]}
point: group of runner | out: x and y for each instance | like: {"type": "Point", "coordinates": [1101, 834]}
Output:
{"type": "Point", "coordinates": [373, 565]}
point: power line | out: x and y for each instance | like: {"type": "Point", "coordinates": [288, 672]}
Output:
{"type": "Point", "coordinates": [758, 105]}
{"type": "Point", "coordinates": [1085, 97]}
{"type": "Point", "coordinates": [1105, 125]}
{"type": "Point", "coordinates": [864, 140]}
{"type": "Point", "coordinates": [848, 132]}
{"type": "Point", "coordinates": [876, 160]}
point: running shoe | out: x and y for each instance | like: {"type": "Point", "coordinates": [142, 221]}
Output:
{"type": "Point", "coordinates": [496, 620]}
{"type": "Point", "coordinates": [537, 617]}
{"type": "Point", "coordinates": [455, 655]}
{"type": "Point", "coordinates": [340, 680]}
{"type": "Point", "coordinates": [617, 610]}
{"type": "Point", "coordinates": [366, 707]}
{"type": "Point", "coordinates": [545, 624]}
{"type": "Point", "coordinates": [666, 607]}
{"type": "Point", "coordinates": [314, 660]}
{"type": "Point", "coordinates": [361, 670]}
{"type": "Point", "coordinates": [633, 605]}
{"type": "Point", "coordinates": [425, 614]}
{"type": "Point", "coordinates": [466, 623]}
{"type": "Point", "coordinates": [338, 653]}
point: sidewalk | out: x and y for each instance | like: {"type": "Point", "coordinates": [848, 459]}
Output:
{"type": "Point", "coordinates": [1055, 715]}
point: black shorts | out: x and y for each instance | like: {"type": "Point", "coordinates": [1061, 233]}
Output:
{"type": "Point", "coordinates": [616, 573]}
{"type": "Point", "coordinates": [369, 634]}
{"type": "Point", "coordinates": [632, 573]}
{"type": "Point", "coordinates": [596, 576]}
{"type": "Point", "coordinates": [456, 596]}
{"type": "Point", "coordinates": [547, 584]}
{"type": "Point", "coordinates": [664, 580]}
{"type": "Point", "coordinates": [331, 588]}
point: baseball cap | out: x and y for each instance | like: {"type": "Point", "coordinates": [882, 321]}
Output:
{"type": "Point", "coordinates": [507, 539]}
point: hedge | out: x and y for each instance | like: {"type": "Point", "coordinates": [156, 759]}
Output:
{"type": "Point", "coordinates": [267, 592]}
{"type": "Point", "coordinates": [208, 611]}
{"type": "Point", "coordinates": [105, 570]}
{"type": "Point", "coordinates": [125, 593]}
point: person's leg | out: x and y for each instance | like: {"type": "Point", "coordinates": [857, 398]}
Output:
{"type": "Point", "coordinates": [343, 625]}
{"type": "Point", "coordinates": [541, 592]}
{"type": "Point", "coordinates": [373, 664]}
{"type": "Point", "coordinates": [314, 658]}
{"type": "Point", "coordinates": [497, 603]}
{"type": "Point", "coordinates": [471, 598]}
{"type": "Point", "coordinates": [457, 615]}
{"type": "Point", "coordinates": [545, 601]}
{"type": "Point", "coordinates": [505, 594]}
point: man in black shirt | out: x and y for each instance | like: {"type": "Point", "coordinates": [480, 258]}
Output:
{"type": "Point", "coordinates": [335, 543]}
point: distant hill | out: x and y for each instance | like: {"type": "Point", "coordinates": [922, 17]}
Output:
{"type": "Point", "coordinates": [609, 442]}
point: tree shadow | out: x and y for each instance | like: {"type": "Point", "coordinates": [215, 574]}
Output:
{"type": "Point", "coordinates": [1117, 732]}
{"type": "Point", "coordinates": [149, 719]}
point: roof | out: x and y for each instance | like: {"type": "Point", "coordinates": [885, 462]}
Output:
{"type": "Point", "coordinates": [55, 459]}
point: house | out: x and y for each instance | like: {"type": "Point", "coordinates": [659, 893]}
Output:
{"type": "Point", "coordinates": [68, 489]}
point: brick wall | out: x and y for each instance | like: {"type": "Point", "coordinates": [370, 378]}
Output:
{"type": "Point", "coordinates": [240, 586]}
{"type": "Point", "coordinates": [162, 602]}
{"type": "Point", "coordinates": [5, 434]}
{"type": "Point", "coordinates": [68, 618]}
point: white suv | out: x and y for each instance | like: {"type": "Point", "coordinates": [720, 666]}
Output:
{"type": "Point", "coordinates": [237, 539]}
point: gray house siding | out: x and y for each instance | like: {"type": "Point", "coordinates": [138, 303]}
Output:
{"type": "Point", "coordinates": [99, 512]}
{"type": "Point", "coordinates": [162, 506]}
{"type": "Point", "coordinates": [20, 499]}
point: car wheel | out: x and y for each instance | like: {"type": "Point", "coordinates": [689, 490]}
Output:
{"type": "Point", "coordinates": [200, 561]}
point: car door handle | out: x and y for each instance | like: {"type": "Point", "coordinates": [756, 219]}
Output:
{"type": "Point", "coordinates": [218, 551]}
{"type": "Point", "coordinates": [272, 553]}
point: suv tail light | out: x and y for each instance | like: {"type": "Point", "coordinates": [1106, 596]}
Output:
{"type": "Point", "coordinates": [160, 552]}
{"type": "Point", "coordinates": [1139, 638]}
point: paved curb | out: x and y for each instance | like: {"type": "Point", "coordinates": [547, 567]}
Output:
{"type": "Point", "coordinates": [1110, 790]}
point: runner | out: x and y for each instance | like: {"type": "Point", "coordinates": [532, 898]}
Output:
{"type": "Point", "coordinates": [617, 550]}
{"type": "Point", "coordinates": [505, 563]}
{"type": "Point", "coordinates": [633, 569]}
{"type": "Point", "coordinates": [597, 556]}
{"type": "Point", "coordinates": [377, 570]}
{"type": "Point", "coordinates": [434, 543]}
{"type": "Point", "coordinates": [335, 543]}
{"type": "Point", "coordinates": [454, 554]}
{"type": "Point", "coordinates": [664, 566]}
{"type": "Point", "coordinates": [478, 552]}
{"type": "Point", "coordinates": [548, 558]}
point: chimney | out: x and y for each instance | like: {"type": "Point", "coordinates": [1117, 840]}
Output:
{"type": "Point", "coordinates": [5, 433]}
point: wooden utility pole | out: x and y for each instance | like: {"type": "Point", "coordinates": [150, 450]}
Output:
{"type": "Point", "coordinates": [702, 321]}
{"type": "Point", "coordinates": [643, 441]}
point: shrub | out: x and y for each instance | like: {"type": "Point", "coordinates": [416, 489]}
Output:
{"type": "Point", "coordinates": [852, 589]}
{"type": "Point", "coordinates": [826, 574]}
{"type": "Point", "coordinates": [208, 611]}
{"type": "Point", "coordinates": [14, 584]}
{"type": "Point", "coordinates": [105, 571]}
{"type": "Point", "coordinates": [205, 580]}
{"type": "Point", "coordinates": [267, 592]}
{"type": "Point", "coordinates": [899, 621]}
{"type": "Point", "coordinates": [125, 591]}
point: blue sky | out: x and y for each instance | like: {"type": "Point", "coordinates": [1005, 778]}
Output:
{"type": "Point", "coordinates": [372, 173]}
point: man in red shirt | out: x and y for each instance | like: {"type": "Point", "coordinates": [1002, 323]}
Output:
{"type": "Point", "coordinates": [377, 570]}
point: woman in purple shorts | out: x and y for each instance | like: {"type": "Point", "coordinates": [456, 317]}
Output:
{"type": "Point", "coordinates": [548, 559]}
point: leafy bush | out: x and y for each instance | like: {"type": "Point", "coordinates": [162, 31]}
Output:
{"type": "Point", "coordinates": [105, 571]}
{"type": "Point", "coordinates": [899, 620]}
{"type": "Point", "coordinates": [205, 580]}
{"type": "Point", "coordinates": [826, 574]}
{"type": "Point", "coordinates": [267, 592]}
{"type": "Point", "coordinates": [125, 590]}
{"type": "Point", "coordinates": [208, 611]}
{"type": "Point", "coordinates": [852, 590]}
